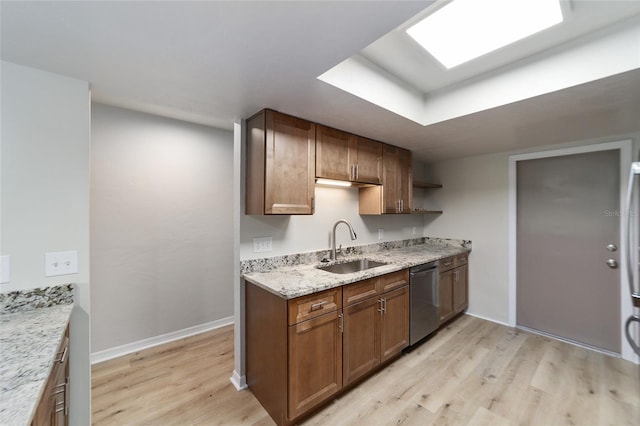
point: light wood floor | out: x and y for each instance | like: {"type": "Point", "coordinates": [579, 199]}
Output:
{"type": "Point", "coordinates": [472, 373]}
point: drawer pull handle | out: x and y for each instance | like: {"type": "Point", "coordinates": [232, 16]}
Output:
{"type": "Point", "coordinates": [63, 356]}
{"type": "Point", "coordinates": [447, 264]}
{"type": "Point", "coordinates": [319, 305]}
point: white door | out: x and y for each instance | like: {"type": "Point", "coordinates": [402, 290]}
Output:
{"type": "Point", "coordinates": [568, 248]}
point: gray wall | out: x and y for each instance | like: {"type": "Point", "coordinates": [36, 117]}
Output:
{"type": "Point", "coordinates": [161, 226]}
{"type": "Point", "coordinates": [45, 197]}
{"type": "Point", "coordinates": [475, 200]}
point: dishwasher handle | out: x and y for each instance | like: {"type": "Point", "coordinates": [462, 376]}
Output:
{"type": "Point", "coordinates": [421, 270]}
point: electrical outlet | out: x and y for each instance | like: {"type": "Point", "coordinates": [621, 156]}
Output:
{"type": "Point", "coordinates": [262, 244]}
{"type": "Point", "coordinates": [413, 231]}
{"type": "Point", "coordinates": [380, 233]}
{"type": "Point", "coordinates": [60, 263]}
{"type": "Point", "coordinates": [5, 269]}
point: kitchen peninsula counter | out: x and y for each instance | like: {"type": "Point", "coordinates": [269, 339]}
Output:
{"type": "Point", "coordinates": [32, 325]}
{"type": "Point", "coordinates": [298, 275]}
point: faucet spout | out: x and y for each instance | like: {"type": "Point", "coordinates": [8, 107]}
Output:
{"type": "Point", "coordinates": [352, 234]}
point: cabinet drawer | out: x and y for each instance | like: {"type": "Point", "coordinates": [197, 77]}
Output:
{"type": "Point", "coordinates": [392, 281]}
{"type": "Point", "coordinates": [357, 292]}
{"type": "Point", "coordinates": [447, 263]}
{"type": "Point", "coordinates": [313, 305]}
{"type": "Point", "coordinates": [461, 259]}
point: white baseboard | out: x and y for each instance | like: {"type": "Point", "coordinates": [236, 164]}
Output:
{"type": "Point", "coordinates": [240, 382]}
{"type": "Point", "coordinates": [487, 319]}
{"type": "Point", "coordinates": [118, 351]}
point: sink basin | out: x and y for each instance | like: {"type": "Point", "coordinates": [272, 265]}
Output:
{"type": "Point", "coordinates": [353, 266]}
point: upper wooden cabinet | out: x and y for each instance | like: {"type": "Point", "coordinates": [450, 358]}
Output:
{"type": "Point", "coordinates": [344, 156]}
{"type": "Point", "coordinates": [280, 166]}
{"type": "Point", "coordinates": [395, 194]}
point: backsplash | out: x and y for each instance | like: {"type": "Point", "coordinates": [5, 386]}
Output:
{"type": "Point", "coordinates": [271, 263]}
{"type": "Point", "coordinates": [25, 300]}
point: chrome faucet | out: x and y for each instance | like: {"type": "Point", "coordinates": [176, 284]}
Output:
{"type": "Point", "coordinates": [333, 236]}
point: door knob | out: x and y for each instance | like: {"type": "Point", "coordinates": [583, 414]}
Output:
{"type": "Point", "coordinates": [612, 263]}
{"type": "Point", "coordinates": [612, 247]}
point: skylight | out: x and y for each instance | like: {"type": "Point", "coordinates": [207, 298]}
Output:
{"type": "Point", "coordinates": [466, 29]}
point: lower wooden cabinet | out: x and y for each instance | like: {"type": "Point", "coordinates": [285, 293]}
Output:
{"type": "Point", "coordinates": [394, 327]}
{"type": "Point", "coordinates": [315, 362]}
{"type": "Point", "coordinates": [361, 339]}
{"type": "Point", "coordinates": [461, 288]}
{"type": "Point", "coordinates": [453, 290]}
{"type": "Point", "coordinates": [377, 328]}
{"type": "Point", "coordinates": [445, 296]}
{"type": "Point", "coordinates": [53, 408]}
{"type": "Point", "coordinates": [303, 351]}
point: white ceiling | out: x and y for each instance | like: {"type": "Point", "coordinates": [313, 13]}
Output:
{"type": "Point", "coordinates": [215, 62]}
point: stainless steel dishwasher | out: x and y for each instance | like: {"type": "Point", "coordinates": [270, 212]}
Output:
{"type": "Point", "coordinates": [423, 294]}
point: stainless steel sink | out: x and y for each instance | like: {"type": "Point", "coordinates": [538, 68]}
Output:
{"type": "Point", "coordinates": [353, 266]}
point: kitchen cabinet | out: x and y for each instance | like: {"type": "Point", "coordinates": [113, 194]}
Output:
{"type": "Point", "coordinates": [445, 296]}
{"type": "Point", "coordinates": [304, 351]}
{"type": "Point", "coordinates": [347, 157]}
{"type": "Point", "coordinates": [315, 362]}
{"type": "Point", "coordinates": [53, 408]}
{"type": "Point", "coordinates": [293, 350]}
{"type": "Point", "coordinates": [361, 338]}
{"type": "Point", "coordinates": [376, 326]}
{"type": "Point", "coordinates": [394, 333]}
{"type": "Point", "coordinates": [461, 284]}
{"type": "Point", "coordinates": [394, 196]}
{"type": "Point", "coordinates": [280, 164]}
{"type": "Point", "coordinates": [453, 288]}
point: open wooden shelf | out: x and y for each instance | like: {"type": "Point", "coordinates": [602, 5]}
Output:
{"type": "Point", "coordinates": [423, 211]}
{"type": "Point", "coordinates": [426, 185]}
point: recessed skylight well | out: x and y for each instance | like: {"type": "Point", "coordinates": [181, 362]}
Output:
{"type": "Point", "coordinates": [463, 30]}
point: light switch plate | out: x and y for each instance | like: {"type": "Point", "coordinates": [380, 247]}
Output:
{"type": "Point", "coordinates": [262, 244]}
{"type": "Point", "coordinates": [60, 263]}
{"type": "Point", "coordinates": [5, 269]}
{"type": "Point", "coordinates": [380, 233]}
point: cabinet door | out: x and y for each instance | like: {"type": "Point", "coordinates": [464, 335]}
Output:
{"type": "Point", "coordinates": [290, 164]}
{"type": "Point", "coordinates": [405, 180]}
{"type": "Point", "coordinates": [369, 161]}
{"type": "Point", "coordinates": [361, 342]}
{"type": "Point", "coordinates": [315, 362]}
{"type": "Point", "coordinates": [445, 295]}
{"type": "Point", "coordinates": [390, 179]}
{"type": "Point", "coordinates": [394, 327]}
{"type": "Point", "coordinates": [397, 180]}
{"type": "Point", "coordinates": [460, 289]}
{"type": "Point", "coordinates": [334, 158]}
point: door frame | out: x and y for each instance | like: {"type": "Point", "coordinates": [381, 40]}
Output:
{"type": "Point", "coordinates": [625, 146]}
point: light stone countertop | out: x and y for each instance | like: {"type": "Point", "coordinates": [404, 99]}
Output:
{"type": "Point", "coordinates": [289, 282]}
{"type": "Point", "coordinates": [29, 341]}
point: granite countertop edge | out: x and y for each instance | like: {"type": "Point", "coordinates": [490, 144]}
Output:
{"type": "Point", "coordinates": [32, 326]}
{"type": "Point", "coordinates": [290, 282]}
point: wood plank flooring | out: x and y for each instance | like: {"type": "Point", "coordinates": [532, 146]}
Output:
{"type": "Point", "coordinates": [474, 372]}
